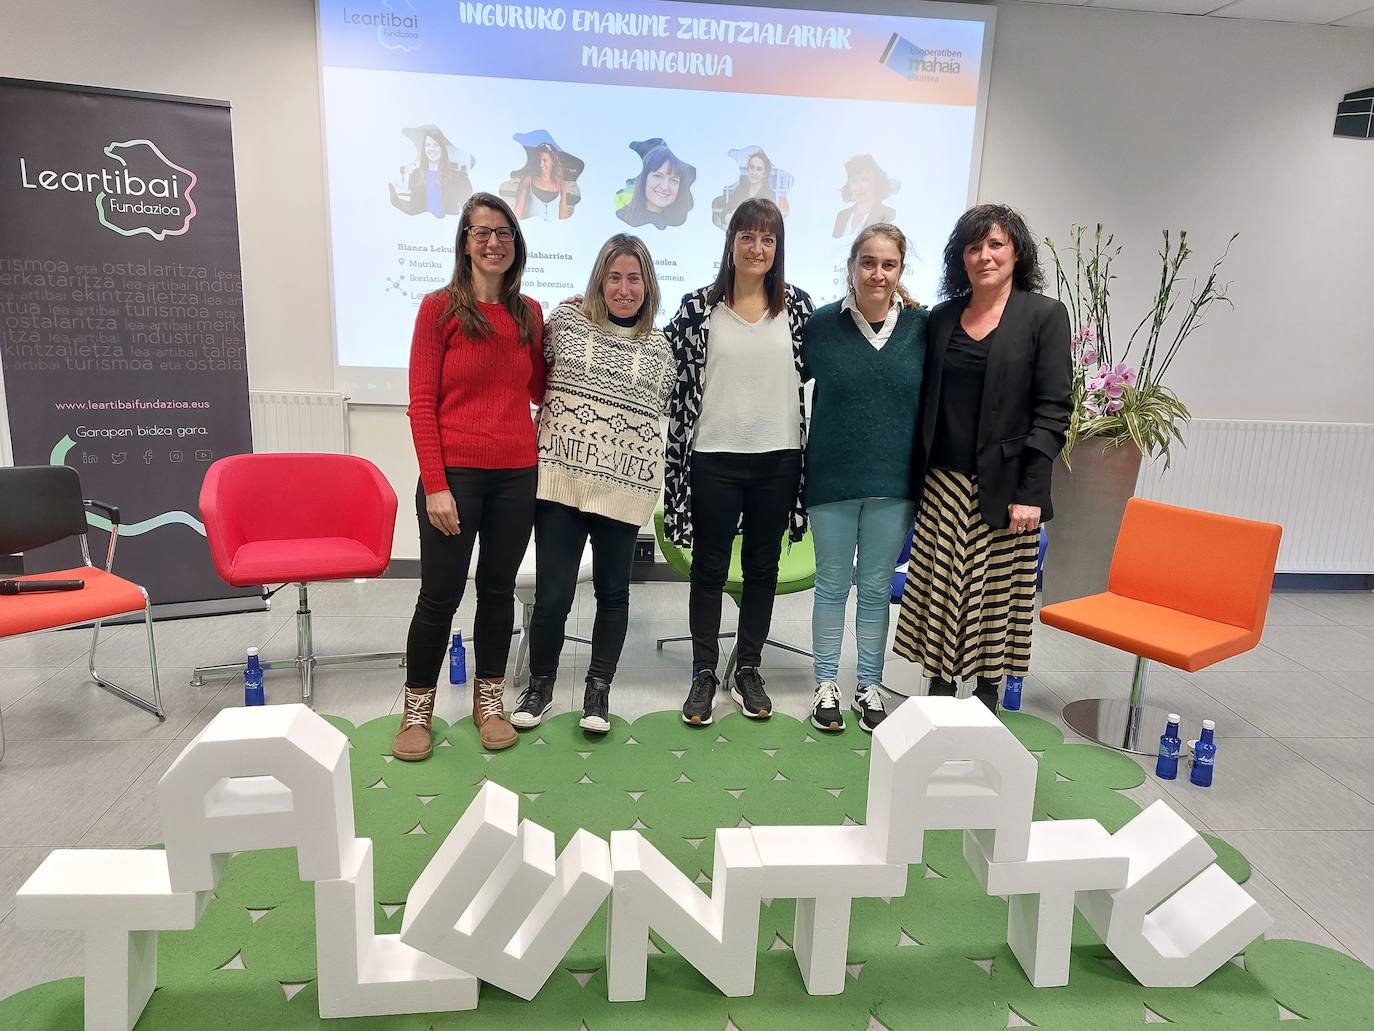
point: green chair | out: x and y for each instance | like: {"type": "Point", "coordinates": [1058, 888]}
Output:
{"type": "Point", "coordinates": [796, 572]}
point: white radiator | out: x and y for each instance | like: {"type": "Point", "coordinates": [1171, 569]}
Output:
{"type": "Point", "coordinates": [1315, 479]}
{"type": "Point", "coordinates": [288, 420]}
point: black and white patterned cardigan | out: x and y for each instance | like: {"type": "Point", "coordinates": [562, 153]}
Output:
{"type": "Point", "coordinates": [687, 333]}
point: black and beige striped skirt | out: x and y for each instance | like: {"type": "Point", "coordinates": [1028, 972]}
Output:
{"type": "Point", "coordinates": [970, 590]}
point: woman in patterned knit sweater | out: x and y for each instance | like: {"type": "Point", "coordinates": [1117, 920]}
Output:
{"type": "Point", "coordinates": [600, 466]}
{"type": "Point", "coordinates": [475, 367]}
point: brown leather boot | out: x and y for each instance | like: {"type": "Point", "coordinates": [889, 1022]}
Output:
{"type": "Point", "coordinates": [413, 741]}
{"type": "Point", "coordinates": [488, 713]}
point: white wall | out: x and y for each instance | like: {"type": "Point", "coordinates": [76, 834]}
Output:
{"type": "Point", "coordinates": [1142, 121]}
{"type": "Point", "coordinates": [1145, 121]}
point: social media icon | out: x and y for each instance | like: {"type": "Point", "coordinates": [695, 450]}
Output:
{"type": "Point", "coordinates": [147, 458]}
{"type": "Point", "coordinates": [88, 459]}
{"type": "Point", "coordinates": [175, 456]}
{"type": "Point", "coordinates": [119, 457]}
{"type": "Point", "coordinates": [204, 455]}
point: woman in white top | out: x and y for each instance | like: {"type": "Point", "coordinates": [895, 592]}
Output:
{"type": "Point", "coordinates": [735, 439]}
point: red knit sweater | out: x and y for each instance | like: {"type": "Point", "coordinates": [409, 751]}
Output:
{"type": "Point", "coordinates": [470, 399]}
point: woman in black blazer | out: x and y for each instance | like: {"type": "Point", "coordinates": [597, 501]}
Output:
{"type": "Point", "coordinates": [995, 408]}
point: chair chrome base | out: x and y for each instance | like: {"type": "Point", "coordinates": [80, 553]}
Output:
{"type": "Point", "coordinates": [734, 651]}
{"type": "Point", "coordinates": [1123, 725]}
{"type": "Point", "coordinates": [305, 661]}
{"type": "Point", "coordinates": [1118, 724]}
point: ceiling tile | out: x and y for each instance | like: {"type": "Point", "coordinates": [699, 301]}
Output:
{"type": "Point", "coordinates": [1319, 12]}
{"type": "Point", "coordinates": [1163, 6]}
{"type": "Point", "coordinates": [1365, 19]}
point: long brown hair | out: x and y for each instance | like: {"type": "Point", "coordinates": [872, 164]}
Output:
{"type": "Point", "coordinates": [756, 215]}
{"type": "Point", "coordinates": [889, 232]}
{"type": "Point", "coordinates": [460, 294]}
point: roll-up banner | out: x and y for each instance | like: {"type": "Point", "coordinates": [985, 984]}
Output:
{"type": "Point", "coordinates": [121, 317]}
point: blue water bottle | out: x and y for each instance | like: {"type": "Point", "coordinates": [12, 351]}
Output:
{"type": "Point", "coordinates": [1011, 694]}
{"type": "Point", "coordinates": [252, 680]}
{"type": "Point", "coordinates": [457, 661]}
{"type": "Point", "coordinates": [1204, 756]}
{"type": "Point", "coordinates": [1166, 766]}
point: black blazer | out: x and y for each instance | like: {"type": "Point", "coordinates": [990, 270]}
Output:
{"type": "Point", "coordinates": [1027, 391]}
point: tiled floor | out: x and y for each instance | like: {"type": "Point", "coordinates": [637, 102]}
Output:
{"type": "Point", "coordinates": [1295, 776]}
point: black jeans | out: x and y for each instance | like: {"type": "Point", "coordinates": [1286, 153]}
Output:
{"type": "Point", "coordinates": [496, 505]}
{"type": "Point", "coordinates": [762, 489]}
{"type": "Point", "coordinates": [560, 533]}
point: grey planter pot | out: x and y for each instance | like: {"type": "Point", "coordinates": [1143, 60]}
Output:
{"type": "Point", "coordinates": [1089, 501]}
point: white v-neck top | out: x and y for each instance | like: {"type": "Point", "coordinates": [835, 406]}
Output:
{"type": "Point", "coordinates": [749, 387]}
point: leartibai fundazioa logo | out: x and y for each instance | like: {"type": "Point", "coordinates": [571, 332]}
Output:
{"type": "Point", "coordinates": [137, 191]}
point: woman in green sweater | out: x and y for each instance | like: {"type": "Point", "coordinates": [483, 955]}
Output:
{"type": "Point", "coordinates": [865, 355]}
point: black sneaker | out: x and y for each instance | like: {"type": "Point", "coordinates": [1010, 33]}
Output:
{"type": "Point", "coordinates": [701, 699]}
{"type": "Point", "coordinates": [535, 703]}
{"type": "Point", "coordinates": [596, 706]}
{"type": "Point", "coordinates": [868, 703]}
{"type": "Point", "coordinates": [749, 693]}
{"type": "Point", "coordinates": [826, 713]}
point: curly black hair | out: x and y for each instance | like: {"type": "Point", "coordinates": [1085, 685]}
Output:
{"type": "Point", "coordinates": [975, 224]}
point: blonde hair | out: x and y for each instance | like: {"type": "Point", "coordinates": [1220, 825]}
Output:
{"type": "Point", "coordinates": [888, 232]}
{"type": "Point", "coordinates": [594, 299]}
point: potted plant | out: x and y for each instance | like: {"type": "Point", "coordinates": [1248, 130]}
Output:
{"type": "Point", "coordinates": [1121, 408]}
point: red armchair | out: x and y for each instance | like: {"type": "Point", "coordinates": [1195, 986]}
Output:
{"type": "Point", "coordinates": [287, 518]}
{"type": "Point", "coordinates": [43, 505]}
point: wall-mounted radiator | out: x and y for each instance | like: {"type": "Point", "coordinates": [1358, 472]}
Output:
{"type": "Point", "coordinates": [1315, 479]}
{"type": "Point", "coordinates": [288, 420]}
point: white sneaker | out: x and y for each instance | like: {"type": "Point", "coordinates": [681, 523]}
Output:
{"type": "Point", "coordinates": [827, 712]}
{"type": "Point", "coordinates": [868, 703]}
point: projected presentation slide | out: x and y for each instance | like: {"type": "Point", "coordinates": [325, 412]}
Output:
{"type": "Point", "coordinates": [652, 118]}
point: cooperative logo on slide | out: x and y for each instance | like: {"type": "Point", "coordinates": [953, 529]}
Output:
{"type": "Point", "coordinates": [397, 24]}
{"type": "Point", "coordinates": [144, 194]}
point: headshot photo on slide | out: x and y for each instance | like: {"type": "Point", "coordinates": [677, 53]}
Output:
{"type": "Point", "coordinates": [436, 180]}
{"type": "Point", "coordinates": [759, 179]}
{"type": "Point", "coordinates": [661, 194]}
{"type": "Point", "coordinates": [865, 192]}
{"type": "Point", "coordinates": [544, 188]}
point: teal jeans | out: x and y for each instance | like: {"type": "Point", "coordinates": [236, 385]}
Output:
{"type": "Point", "coordinates": [874, 529]}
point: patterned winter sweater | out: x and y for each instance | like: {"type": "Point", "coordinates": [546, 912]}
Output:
{"type": "Point", "coordinates": [600, 442]}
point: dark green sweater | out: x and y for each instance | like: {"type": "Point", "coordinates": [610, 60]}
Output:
{"type": "Point", "coordinates": [863, 412]}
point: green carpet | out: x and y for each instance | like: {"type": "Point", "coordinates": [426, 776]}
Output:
{"type": "Point", "coordinates": [933, 959]}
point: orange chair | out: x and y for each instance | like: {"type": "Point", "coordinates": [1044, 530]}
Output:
{"type": "Point", "coordinates": [1187, 589]}
{"type": "Point", "coordinates": [44, 505]}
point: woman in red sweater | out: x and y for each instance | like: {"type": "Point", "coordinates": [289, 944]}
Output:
{"type": "Point", "coordinates": [476, 364]}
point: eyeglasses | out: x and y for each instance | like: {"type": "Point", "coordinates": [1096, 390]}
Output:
{"type": "Point", "coordinates": [484, 233]}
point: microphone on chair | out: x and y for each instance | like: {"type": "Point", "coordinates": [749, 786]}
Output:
{"type": "Point", "coordinates": [39, 586]}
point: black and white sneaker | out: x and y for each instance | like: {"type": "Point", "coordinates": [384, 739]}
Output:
{"type": "Point", "coordinates": [596, 706]}
{"type": "Point", "coordinates": [701, 699]}
{"type": "Point", "coordinates": [868, 703]}
{"type": "Point", "coordinates": [826, 713]}
{"type": "Point", "coordinates": [749, 693]}
{"type": "Point", "coordinates": [535, 703]}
